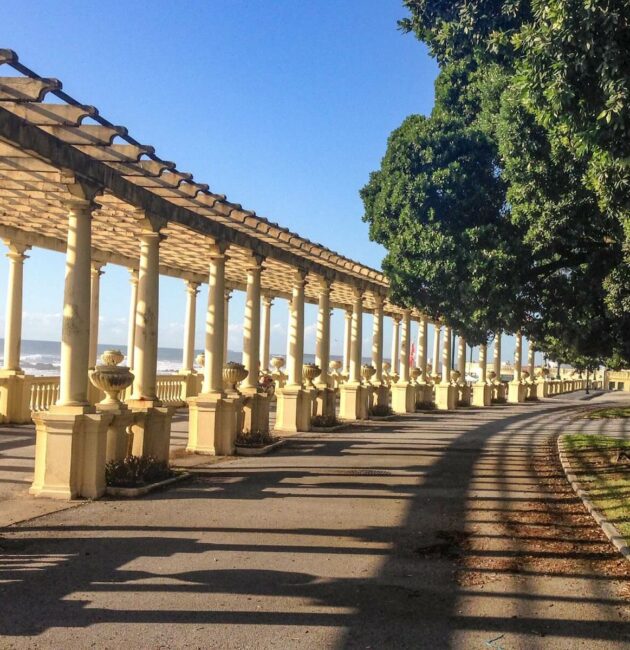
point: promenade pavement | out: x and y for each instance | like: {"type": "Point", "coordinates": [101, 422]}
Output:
{"type": "Point", "coordinates": [438, 530]}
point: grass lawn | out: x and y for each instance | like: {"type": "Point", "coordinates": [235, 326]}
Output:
{"type": "Point", "coordinates": [611, 412]}
{"type": "Point", "coordinates": [593, 459]}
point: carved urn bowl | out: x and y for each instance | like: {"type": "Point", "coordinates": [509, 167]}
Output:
{"type": "Point", "coordinates": [387, 366]}
{"type": "Point", "coordinates": [277, 362]}
{"type": "Point", "coordinates": [492, 375]}
{"type": "Point", "coordinates": [201, 359]}
{"type": "Point", "coordinates": [367, 372]}
{"type": "Point", "coordinates": [335, 364]}
{"type": "Point", "coordinates": [233, 374]}
{"type": "Point", "coordinates": [524, 375]}
{"type": "Point", "coordinates": [309, 372]}
{"type": "Point", "coordinates": [455, 376]}
{"type": "Point", "coordinates": [415, 373]}
{"type": "Point", "coordinates": [111, 378]}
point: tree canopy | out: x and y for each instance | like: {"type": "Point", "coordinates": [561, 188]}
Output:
{"type": "Point", "coordinates": [507, 207]}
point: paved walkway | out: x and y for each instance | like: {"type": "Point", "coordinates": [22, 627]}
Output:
{"type": "Point", "coordinates": [433, 531]}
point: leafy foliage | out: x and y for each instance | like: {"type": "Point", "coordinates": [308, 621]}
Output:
{"type": "Point", "coordinates": [136, 471]}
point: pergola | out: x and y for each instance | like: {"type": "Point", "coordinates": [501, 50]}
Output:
{"type": "Point", "coordinates": [71, 181]}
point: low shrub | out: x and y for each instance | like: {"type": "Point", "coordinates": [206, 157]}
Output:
{"type": "Point", "coordinates": [499, 400]}
{"type": "Point", "coordinates": [381, 410]}
{"type": "Point", "coordinates": [325, 421]}
{"type": "Point", "coordinates": [425, 406]}
{"type": "Point", "coordinates": [255, 439]}
{"type": "Point", "coordinates": [136, 471]}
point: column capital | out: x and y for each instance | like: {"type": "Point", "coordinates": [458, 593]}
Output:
{"type": "Point", "coordinates": [218, 250]}
{"type": "Point", "coordinates": [17, 250]}
{"type": "Point", "coordinates": [379, 301]}
{"type": "Point", "coordinates": [299, 278]}
{"type": "Point", "coordinates": [133, 277]}
{"type": "Point", "coordinates": [255, 262]}
{"type": "Point", "coordinates": [192, 287]}
{"type": "Point", "coordinates": [325, 284]}
{"type": "Point", "coordinates": [397, 318]}
{"type": "Point", "coordinates": [267, 300]}
{"type": "Point", "coordinates": [96, 268]}
{"type": "Point", "coordinates": [228, 294]}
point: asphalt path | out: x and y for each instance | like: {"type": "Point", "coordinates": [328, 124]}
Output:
{"type": "Point", "coordinates": [437, 530]}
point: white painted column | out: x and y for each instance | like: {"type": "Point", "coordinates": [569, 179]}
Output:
{"type": "Point", "coordinates": [95, 297]}
{"type": "Point", "coordinates": [356, 337]}
{"type": "Point", "coordinates": [496, 361]}
{"type": "Point", "coordinates": [405, 346]}
{"type": "Point", "coordinates": [322, 342]}
{"type": "Point", "coordinates": [347, 336]}
{"type": "Point", "coordinates": [133, 305]}
{"type": "Point", "coordinates": [446, 356]}
{"type": "Point", "coordinates": [146, 337]}
{"type": "Point", "coordinates": [436, 349]}
{"type": "Point", "coordinates": [461, 357]}
{"type": "Point", "coordinates": [251, 324]}
{"type": "Point", "coordinates": [518, 355]}
{"type": "Point", "coordinates": [75, 332]}
{"type": "Point", "coordinates": [395, 344]}
{"type": "Point", "coordinates": [15, 291]}
{"type": "Point", "coordinates": [483, 360]}
{"type": "Point", "coordinates": [265, 331]}
{"type": "Point", "coordinates": [227, 294]}
{"type": "Point", "coordinates": [295, 342]}
{"type": "Point", "coordinates": [188, 356]}
{"type": "Point", "coordinates": [421, 353]}
{"type": "Point", "coordinates": [215, 322]}
{"type": "Point", "coordinates": [377, 340]}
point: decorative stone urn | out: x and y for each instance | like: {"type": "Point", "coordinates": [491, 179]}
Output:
{"type": "Point", "coordinates": [524, 375]}
{"type": "Point", "coordinates": [277, 362]}
{"type": "Point", "coordinates": [233, 373]}
{"type": "Point", "coordinates": [455, 376]}
{"type": "Point", "coordinates": [335, 365]}
{"type": "Point", "coordinates": [309, 372]}
{"type": "Point", "coordinates": [492, 375]}
{"type": "Point", "coordinates": [200, 359]}
{"type": "Point", "coordinates": [367, 372]}
{"type": "Point", "coordinates": [415, 374]}
{"type": "Point", "coordinates": [111, 378]}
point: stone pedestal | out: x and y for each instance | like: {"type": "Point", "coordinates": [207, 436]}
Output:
{"type": "Point", "coordinates": [190, 387]}
{"type": "Point", "coordinates": [424, 393]}
{"type": "Point", "coordinates": [498, 391]}
{"type": "Point", "coordinates": [213, 424]}
{"type": "Point", "coordinates": [14, 400]}
{"type": "Point", "coordinates": [70, 453]}
{"type": "Point", "coordinates": [517, 392]}
{"type": "Point", "coordinates": [481, 394]}
{"type": "Point", "coordinates": [446, 397]}
{"type": "Point", "coordinates": [381, 395]}
{"type": "Point", "coordinates": [463, 393]}
{"type": "Point", "coordinates": [403, 398]}
{"type": "Point", "coordinates": [532, 390]}
{"type": "Point", "coordinates": [293, 409]}
{"type": "Point", "coordinates": [325, 401]}
{"type": "Point", "coordinates": [151, 428]}
{"type": "Point", "coordinates": [255, 412]}
{"type": "Point", "coordinates": [119, 435]}
{"type": "Point", "coordinates": [353, 401]}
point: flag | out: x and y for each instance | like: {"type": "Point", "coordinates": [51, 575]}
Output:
{"type": "Point", "coordinates": [412, 354]}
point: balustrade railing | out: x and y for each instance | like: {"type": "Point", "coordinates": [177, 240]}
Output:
{"type": "Point", "coordinates": [43, 393]}
{"type": "Point", "coordinates": [170, 389]}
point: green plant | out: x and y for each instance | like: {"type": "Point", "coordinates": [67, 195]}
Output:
{"type": "Point", "coordinates": [499, 400]}
{"type": "Point", "coordinates": [325, 421]}
{"type": "Point", "coordinates": [381, 410]}
{"type": "Point", "coordinates": [425, 406]}
{"type": "Point", "coordinates": [136, 471]}
{"type": "Point", "coordinates": [255, 439]}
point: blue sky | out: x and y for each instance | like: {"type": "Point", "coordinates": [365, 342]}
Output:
{"type": "Point", "coordinates": [284, 106]}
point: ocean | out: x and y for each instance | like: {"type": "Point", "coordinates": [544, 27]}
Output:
{"type": "Point", "coordinates": [44, 357]}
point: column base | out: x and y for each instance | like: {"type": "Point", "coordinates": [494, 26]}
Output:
{"type": "Point", "coordinates": [446, 397]}
{"type": "Point", "coordinates": [152, 431]}
{"type": "Point", "coordinates": [498, 392]}
{"type": "Point", "coordinates": [118, 438]}
{"type": "Point", "coordinates": [463, 394]}
{"type": "Point", "coordinates": [353, 402]}
{"type": "Point", "coordinates": [325, 402]}
{"type": "Point", "coordinates": [293, 409]}
{"type": "Point", "coordinates": [214, 424]}
{"type": "Point", "coordinates": [190, 387]}
{"type": "Point", "coordinates": [532, 391]}
{"type": "Point", "coordinates": [14, 397]}
{"type": "Point", "coordinates": [517, 391]}
{"type": "Point", "coordinates": [382, 395]}
{"type": "Point", "coordinates": [70, 454]}
{"type": "Point", "coordinates": [255, 412]}
{"type": "Point", "coordinates": [481, 394]}
{"type": "Point", "coordinates": [403, 398]}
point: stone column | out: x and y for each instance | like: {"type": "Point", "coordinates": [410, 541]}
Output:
{"type": "Point", "coordinates": [251, 325]}
{"type": "Point", "coordinates": [483, 361]}
{"type": "Point", "coordinates": [356, 338]}
{"type": "Point", "coordinates": [227, 294]}
{"type": "Point", "coordinates": [405, 346]}
{"type": "Point", "coordinates": [215, 323]}
{"type": "Point", "coordinates": [347, 341]}
{"type": "Point", "coordinates": [395, 344]}
{"type": "Point", "coordinates": [265, 332]}
{"type": "Point", "coordinates": [15, 290]}
{"type": "Point", "coordinates": [133, 304]}
{"type": "Point", "coordinates": [322, 343]}
{"type": "Point", "coordinates": [461, 357]}
{"type": "Point", "coordinates": [436, 349]}
{"type": "Point", "coordinates": [531, 358]}
{"type": "Point", "coordinates": [421, 351]}
{"type": "Point", "coordinates": [95, 291]}
{"type": "Point", "coordinates": [377, 340]}
{"type": "Point", "coordinates": [481, 390]}
{"type": "Point", "coordinates": [295, 343]}
{"type": "Point", "coordinates": [294, 406]}
{"type": "Point", "coordinates": [325, 397]}
{"type": "Point", "coordinates": [188, 356]}
{"type": "Point", "coordinates": [496, 361]}
{"type": "Point", "coordinates": [517, 390]}
{"type": "Point", "coordinates": [75, 333]}
{"type": "Point", "coordinates": [445, 392]}
{"type": "Point", "coordinates": [518, 355]}
{"type": "Point", "coordinates": [146, 337]}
